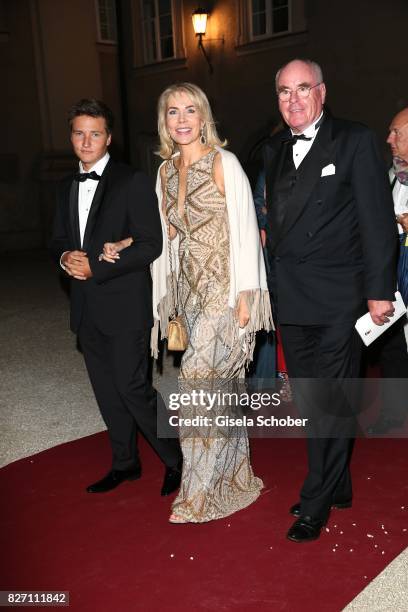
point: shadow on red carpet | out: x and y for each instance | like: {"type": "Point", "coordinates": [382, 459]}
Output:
{"type": "Point", "coordinates": [117, 551]}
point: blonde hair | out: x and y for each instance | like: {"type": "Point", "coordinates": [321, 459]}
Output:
{"type": "Point", "coordinates": [200, 101]}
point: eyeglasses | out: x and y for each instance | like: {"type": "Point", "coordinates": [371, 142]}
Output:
{"type": "Point", "coordinates": [302, 91]}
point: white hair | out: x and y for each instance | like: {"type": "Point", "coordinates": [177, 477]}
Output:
{"type": "Point", "coordinates": [314, 66]}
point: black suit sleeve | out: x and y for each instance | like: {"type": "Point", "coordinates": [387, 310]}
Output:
{"type": "Point", "coordinates": [144, 227]}
{"type": "Point", "coordinates": [375, 210]}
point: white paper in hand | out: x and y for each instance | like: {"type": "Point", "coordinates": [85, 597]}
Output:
{"type": "Point", "coordinates": [369, 331]}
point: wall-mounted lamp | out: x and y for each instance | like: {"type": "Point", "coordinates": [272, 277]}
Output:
{"type": "Point", "coordinates": [200, 16]}
{"type": "Point", "coordinates": [200, 21]}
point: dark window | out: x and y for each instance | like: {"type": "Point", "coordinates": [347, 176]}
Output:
{"type": "Point", "coordinates": [158, 40]}
{"type": "Point", "coordinates": [269, 17]}
{"type": "Point", "coordinates": [106, 14]}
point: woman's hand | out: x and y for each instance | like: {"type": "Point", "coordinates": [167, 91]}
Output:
{"type": "Point", "coordinates": [172, 231]}
{"type": "Point", "coordinates": [242, 312]}
{"type": "Point", "coordinates": [111, 250]}
{"type": "Point", "coordinates": [403, 221]}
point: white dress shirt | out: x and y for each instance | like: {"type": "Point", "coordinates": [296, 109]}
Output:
{"type": "Point", "coordinates": [86, 193]}
{"type": "Point", "coordinates": [400, 197]}
{"type": "Point", "coordinates": [302, 147]}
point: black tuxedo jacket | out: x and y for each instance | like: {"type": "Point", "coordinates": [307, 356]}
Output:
{"type": "Point", "coordinates": [335, 247]}
{"type": "Point", "coordinates": [118, 297]}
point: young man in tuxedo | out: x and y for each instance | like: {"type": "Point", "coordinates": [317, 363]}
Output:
{"type": "Point", "coordinates": [331, 240]}
{"type": "Point", "coordinates": [111, 305]}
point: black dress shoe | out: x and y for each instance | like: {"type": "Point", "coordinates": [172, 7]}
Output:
{"type": "Point", "coordinates": [295, 509]}
{"type": "Point", "coordinates": [172, 479]}
{"type": "Point", "coordinates": [305, 529]}
{"type": "Point", "coordinates": [114, 479]}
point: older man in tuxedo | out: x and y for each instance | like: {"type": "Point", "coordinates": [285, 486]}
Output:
{"type": "Point", "coordinates": [331, 240]}
{"type": "Point", "coordinates": [111, 305]}
{"type": "Point", "coordinates": [391, 348]}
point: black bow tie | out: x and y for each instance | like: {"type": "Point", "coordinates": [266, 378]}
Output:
{"type": "Point", "coordinates": [294, 138]}
{"type": "Point", "coordinates": [83, 176]}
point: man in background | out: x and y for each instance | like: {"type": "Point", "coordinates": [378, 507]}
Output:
{"type": "Point", "coordinates": [391, 348]}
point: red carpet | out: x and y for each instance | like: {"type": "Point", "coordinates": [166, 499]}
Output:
{"type": "Point", "coordinates": [118, 552]}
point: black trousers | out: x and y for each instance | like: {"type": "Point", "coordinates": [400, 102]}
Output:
{"type": "Point", "coordinates": [118, 370]}
{"type": "Point", "coordinates": [321, 360]}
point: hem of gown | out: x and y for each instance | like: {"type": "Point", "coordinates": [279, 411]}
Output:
{"type": "Point", "coordinates": [187, 518]}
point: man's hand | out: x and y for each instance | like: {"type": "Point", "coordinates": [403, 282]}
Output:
{"type": "Point", "coordinates": [76, 264]}
{"type": "Point", "coordinates": [262, 233]}
{"type": "Point", "coordinates": [380, 310]}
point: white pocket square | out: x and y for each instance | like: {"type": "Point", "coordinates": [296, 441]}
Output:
{"type": "Point", "coordinates": [328, 170]}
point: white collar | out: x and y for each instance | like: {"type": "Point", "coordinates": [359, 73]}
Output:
{"type": "Point", "coordinates": [311, 131]}
{"type": "Point", "coordinates": [99, 167]}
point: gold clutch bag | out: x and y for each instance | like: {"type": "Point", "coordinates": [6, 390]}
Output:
{"type": "Point", "coordinates": [177, 337]}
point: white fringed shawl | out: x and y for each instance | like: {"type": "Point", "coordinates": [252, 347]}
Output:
{"type": "Point", "coordinates": [247, 267]}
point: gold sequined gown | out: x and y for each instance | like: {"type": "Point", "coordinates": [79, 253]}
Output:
{"type": "Point", "coordinates": [217, 475]}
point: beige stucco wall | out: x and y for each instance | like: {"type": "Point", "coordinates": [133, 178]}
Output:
{"type": "Point", "coordinates": [71, 69]}
{"type": "Point", "coordinates": [50, 58]}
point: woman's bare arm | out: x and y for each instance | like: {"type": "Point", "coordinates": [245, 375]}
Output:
{"type": "Point", "coordinates": [218, 174]}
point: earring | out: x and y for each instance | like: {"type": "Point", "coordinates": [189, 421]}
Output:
{"type": "Point", "coordinates": [203, 138]}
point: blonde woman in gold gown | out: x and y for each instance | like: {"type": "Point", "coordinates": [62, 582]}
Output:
{"type": "Point", "coordinates": [217, 478]}
{"type": "Point", "coordinates": [217, 475]}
